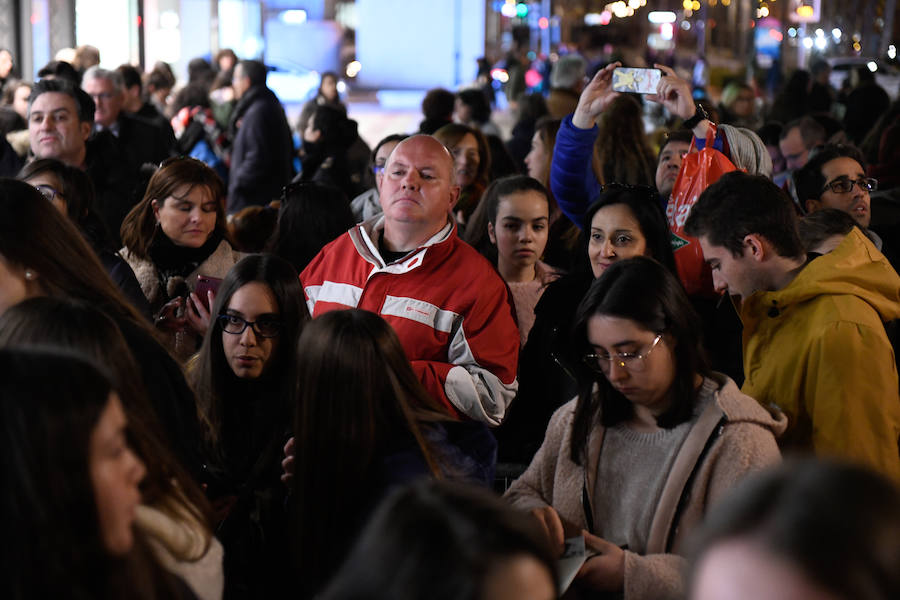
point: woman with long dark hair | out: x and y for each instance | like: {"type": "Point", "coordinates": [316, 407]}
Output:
{"type": "Point", "coordinates": [653, 438]}
{"type": "Point", "coordinates": [175, 234]}
{"type": "Point", "coordinates": [243, 379]}
{"type": "Point", "coordinates": [515, 212]}
{"type": "Point", "coordinates": [173, 514]}
{"type": "Point", "coordinates": [364, 424]}
{"type": "Point", "coordinates": [70, 485]}
{"type": "Point", "coordinates": [43, 254]}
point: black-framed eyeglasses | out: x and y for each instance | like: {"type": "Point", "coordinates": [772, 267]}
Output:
{"type": "Point", "coordinates": [844, 185]}
{"type": "Point", "coordinates": [235, 325]}
{"type": "Point", "coordinates": [632, 361]}
{"type": "Point", "coordinates": [48, 191]}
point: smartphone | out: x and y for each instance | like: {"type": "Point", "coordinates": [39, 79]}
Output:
{"type": "Point", "coordinates": [635, 81]}
{"type": "Point", "coordinates": [206, 284]}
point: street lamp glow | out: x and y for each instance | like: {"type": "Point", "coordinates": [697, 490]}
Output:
{"type": "Point", "coordinates": [658, 17]}
{"type": "Point", "coordinates": [353, 68]}
{"type": "Point", "coordinates": [836, 33]}
{"type": "Point", "coordinates": [872, 66]}
{"type": "Point", "coordinates": [667, 31]}
{"type": "Point", "coordinates": [820, 33]}
{"type": "Point", "coordinates": [892, 52]}
{"type": "Point", "coordinates": [293, 17]}
{"type": "Point", "coordinates": [820, 43]}
{"type": "Point", "coordinates": [807, 43]}
{"type": "Point", "coordinates": [792, 32]}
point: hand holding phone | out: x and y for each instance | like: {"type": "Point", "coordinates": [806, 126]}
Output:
{"type": "Point", "coordinates": [200, 302]}
{"type": "Point", "coordinates": [635, 81]}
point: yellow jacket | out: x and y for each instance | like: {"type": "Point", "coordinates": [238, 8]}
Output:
{"type": "Point", "coordinates": [818, 350]}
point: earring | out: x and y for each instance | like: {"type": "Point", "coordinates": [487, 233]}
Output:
{"type": "Point", "coordinates": [29, 275]}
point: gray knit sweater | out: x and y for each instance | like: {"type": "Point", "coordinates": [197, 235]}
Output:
{"type": "Point", "coordinates": [741, 443]}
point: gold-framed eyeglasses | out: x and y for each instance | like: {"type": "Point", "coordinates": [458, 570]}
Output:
{"type": "Point", "coordinates": [632, 361]}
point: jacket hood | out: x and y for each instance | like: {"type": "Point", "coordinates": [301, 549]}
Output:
{"type": "Point", "coordinates": [741, 408]}
{"type": "Point", "coordinates": [854, 268]}
{"type": "Point", "coordinates": [747, 150]}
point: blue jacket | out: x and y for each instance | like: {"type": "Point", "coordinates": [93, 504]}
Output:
{"type": "Point", "coordinates": [572, 179]}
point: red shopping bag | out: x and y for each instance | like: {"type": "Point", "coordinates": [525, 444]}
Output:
{"type": "Point", "coordinates": [698, 171]}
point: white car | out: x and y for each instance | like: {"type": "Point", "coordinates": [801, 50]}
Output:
{"type": "Point", "coordinates": [886, 75]}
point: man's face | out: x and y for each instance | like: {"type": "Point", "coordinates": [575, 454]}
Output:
{"type": "Point", "coordinates": [239, 83]}
{"type": "Point", "coordinates": [107, 99]}
{"type": "Point", "coordinates": [669, 164]}
{"type": "Point", "coordinates": [856, 202]}
{"type": "Point", "coordinates": [794, 150]}
{"type": "Point", "coordinates": [731, 275]}
{"type": "Point", "coordinates": [417, 189]}
{"type": "Point", "coordinates": [55, 130]}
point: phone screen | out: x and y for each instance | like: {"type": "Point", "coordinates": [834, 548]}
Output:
{"type": "Point", "coordinates": [635, 81]}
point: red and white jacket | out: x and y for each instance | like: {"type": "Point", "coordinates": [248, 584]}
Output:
{"type": "Point", "coordinates": [449, 307]}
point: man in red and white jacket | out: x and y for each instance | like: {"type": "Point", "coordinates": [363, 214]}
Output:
{"type": "Point", "coordinates": [449, 307]}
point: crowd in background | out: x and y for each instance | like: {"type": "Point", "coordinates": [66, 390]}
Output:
{"type": "Point", "coordinates": [452, 363]}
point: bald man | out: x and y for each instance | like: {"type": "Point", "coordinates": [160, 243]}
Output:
{"type": "Point", "coordinates": [449, 307]}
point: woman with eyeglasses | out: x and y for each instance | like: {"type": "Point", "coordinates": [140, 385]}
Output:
{"type": "Point", "coordinates": [624, 221]}
{"type": "Point", "coordinates": [70, 191]}
{"type": "Point", "coordinates": [174, 235]}
{"type": "Point", "coordinates": [653, 438]}
{"type": "Point", "coordinates": [243, 380]}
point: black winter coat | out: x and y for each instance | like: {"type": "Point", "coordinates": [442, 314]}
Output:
{"type": "Point", "coordinates": [262, 152]}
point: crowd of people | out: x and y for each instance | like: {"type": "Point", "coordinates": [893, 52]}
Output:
{"type": "Point", "coordinates": [449, 365]}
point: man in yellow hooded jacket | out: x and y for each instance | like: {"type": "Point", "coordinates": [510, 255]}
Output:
{"type": "Point", "coordinates": [814, 340]}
